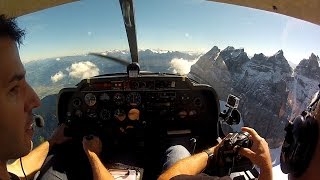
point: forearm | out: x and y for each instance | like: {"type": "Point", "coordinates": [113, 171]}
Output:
{"type": "Point", "coordinates": [31, 162]}
{"type": "Point", "coordinates": [98, 170]}
{"type": "Point", "coordinates": [265, 166]}
{"type": "Point", "coordinates": [189, 166]}
{"type": "Point", "coordinates": [266, 173]}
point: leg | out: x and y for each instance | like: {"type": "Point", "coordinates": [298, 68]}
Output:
{"type": "Point", "coordinates": [49, 172]}
{"type": "Point", "coordinates": [66, 162]}
{"type": "Point", "coordinates": [174, 154]}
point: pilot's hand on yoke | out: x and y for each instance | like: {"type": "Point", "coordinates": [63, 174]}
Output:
{"type": "Point", "coordinates": [259, 153]}
{"type": "Point", "coordinates": [92, 144]}
{"type": "Point", "coordinates": [58, 136]}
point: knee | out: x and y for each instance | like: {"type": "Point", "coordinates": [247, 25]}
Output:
{"type": "Point", "coordinates": [178, 150]}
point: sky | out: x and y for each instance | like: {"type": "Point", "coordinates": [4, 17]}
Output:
{"type": "Point", "coordinates": [184, 25]}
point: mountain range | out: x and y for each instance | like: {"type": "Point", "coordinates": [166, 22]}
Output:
{"type": "Point", "coordinates": [271, 91]}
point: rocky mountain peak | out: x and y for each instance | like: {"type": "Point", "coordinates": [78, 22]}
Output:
{"type": "Point", "coordinates": [313, 57]}
{"type": "Point", "coordinates": [229, 48]}
{"type": "Point", "coordinates": [279, 53]}
{"type": "Point", "coordinates": [259, 57]}
{"type": "Point", "coordinates": [214, 49]}
{"type": "Point", "coordinates": [279, 61]}
{"type": "Point", "coordinates": [146, 52]}
{"type": "Point", "coordinates": [274, 63]}
{"type": "Point", "coordinates": [278, 56]}
{"type": "Point", "coordinates": [231, 52]}
{"type": "Point", "coordinates": [234, 58]}
{"type": "Point", "coordinates": [212, 53]}
{"type": "Point", "coordinates": [309, 67]}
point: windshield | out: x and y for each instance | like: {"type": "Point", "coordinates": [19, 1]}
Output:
{"type": "Point", "coordinates": [269, 61]}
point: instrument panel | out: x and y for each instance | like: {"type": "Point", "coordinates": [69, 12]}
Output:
{"type": "Point", "coordinates": [146, 108]}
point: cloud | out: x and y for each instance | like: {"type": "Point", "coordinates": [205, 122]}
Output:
{"type": "Point", "coordinates": [83, 70]}
{"type": "Point", "coordinates": [89, 33]}
{"type": "Point", "coordinates": [182, 66]}
{"type": "Point", "coordinates": [57, 77]}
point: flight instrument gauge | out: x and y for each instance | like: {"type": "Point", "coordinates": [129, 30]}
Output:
{"type": "Point", "coordinates": [120, 115]}
{"type": "Point", "coordinates": [105, 114]}
{"type": "Point", "coordinates": [90, 99]}
{"type": "Point", "coordinates": [134, 114]}
{"type": "Point", "coordinates": [118, 98]}
{"type": "Point", "coordinates": [104, 97]}
{"type": "Point", "coordinates": [133, 99]}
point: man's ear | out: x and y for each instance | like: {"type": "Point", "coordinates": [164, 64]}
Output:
{"type": "Point", "coordinates": [316, 114]}
{"type": "Point", "coordinates": [31, 145]}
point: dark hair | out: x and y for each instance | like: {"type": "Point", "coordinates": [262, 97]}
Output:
{"type": "Point", "coordinates": [9, 28]}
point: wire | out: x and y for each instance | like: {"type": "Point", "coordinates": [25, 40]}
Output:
{"type": "Point", "coordinates": [231, 168]}
{"type": "Point", "coordinates": [23, 169]}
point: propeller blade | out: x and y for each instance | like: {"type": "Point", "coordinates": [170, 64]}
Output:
{"type": "Point", "coordinates": [117, 60]}
{"type": "Point", "coordinates": [128, 18]}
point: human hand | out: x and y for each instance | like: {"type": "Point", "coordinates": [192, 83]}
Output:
{"type": "Point", "coordinates": [58, 136]}
{"type": "Point", "coordinates": [215, 148]}
{"type": "Point", "coordinates": [92, 144]}
{"type": "Point", "coordinates": [259, 153]}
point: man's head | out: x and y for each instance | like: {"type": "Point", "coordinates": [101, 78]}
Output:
{"type": "Point", "coordinates": [17, 98]}
{"type": "Point", "coordinates": [312, 172]}
{"type": "Point", "coordinates": [300, 152]}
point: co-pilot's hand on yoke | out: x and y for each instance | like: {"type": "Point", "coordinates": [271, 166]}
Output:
{"type": "Point", "coordinates": [259, 154]}
{"type": "Point", "coordinates": [58, 136]}
{"type": "Point", "coordinates": [92, 144]}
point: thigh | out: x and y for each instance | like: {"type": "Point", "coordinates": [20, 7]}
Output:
{"type": "Point", "coordinates": [174, 154]}
{"type": "Point", "coordinates": [66, 163]}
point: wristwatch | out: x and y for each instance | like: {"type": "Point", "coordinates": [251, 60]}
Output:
{"type": "Point", "coordinates": [210, 154]}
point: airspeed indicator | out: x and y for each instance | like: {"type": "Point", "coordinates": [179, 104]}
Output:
{"type": "Point", "coordinates": [90, 99]}
{"type": "Point", "coordinates": [133, 99]}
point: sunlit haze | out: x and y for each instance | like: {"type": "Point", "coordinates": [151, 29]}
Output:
{"type": "Point", "coordinates": [194, 25]}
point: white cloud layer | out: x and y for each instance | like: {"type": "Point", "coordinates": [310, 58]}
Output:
{"type": "Point", "coordinates": [57, 77]}
{"type": "Point", "coordinates": [182, 66]}
{"type": "Point", "coordinates": [83, 70]}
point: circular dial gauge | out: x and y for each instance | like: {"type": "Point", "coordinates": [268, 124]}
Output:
{"type": "Point", "coordinates": [91, 113]}
{"type": "Point", "coordinates": [192, 113]}
{"type": "Point", "coordinates": [90, 99]}
{"type": "Point", "coordinates": [142, 85]}
{"type": "Point", "coordinates": [120, 115]}
{"type": "Point", "coordinates": [134, 85]}
{"type": "Point", "coordinates": [118, 98]}
{"type": "Point", "coordinates": [134, 114]}
{"type": "Point", "coordinates": [78, 113]}
{"type": "Point", "coordinates": [182, 114]}
{"type": "Point", "coordinates": [105, 114]}
{"type": "Point", "coordinates": [76, 102]}
{"type": "Point", "coordinates": [134, 99]}
{"type": "Point", "coordinates": [197, 102]}
{"type": "Point", "coordinates": [104, 97]}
